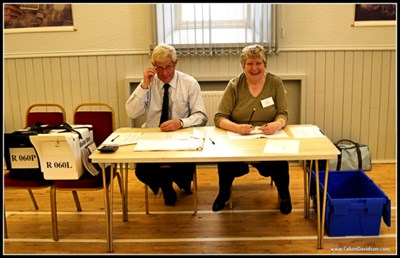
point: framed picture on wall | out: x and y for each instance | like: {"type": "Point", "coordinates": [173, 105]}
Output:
{"type": "Point", "coordinates": [37, 17]}
{"type": "Point", "coordinates": [375, 14]}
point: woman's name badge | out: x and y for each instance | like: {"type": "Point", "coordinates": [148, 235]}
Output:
{"type": "Point", "coordinates": [267, 102]}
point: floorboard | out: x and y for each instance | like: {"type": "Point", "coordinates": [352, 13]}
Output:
{"type": "Point", "coordinates": [253, 226]}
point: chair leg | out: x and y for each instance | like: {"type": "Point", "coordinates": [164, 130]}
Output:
{"type": "Point", "coordinates": [5, 224]}
{"type": "Point", "coordinates": [53, 204]}
{"type": "Point", "coordinates": [195, 192]}
{"type": "Point", "coordinates": [77, 202]}
{"type": "Point", "coordinates": [119, 183]}
{"type": "Point", "coordinates": [33, 199]}
{"type": "Point", "coordinates": [146, 198]}
{"type": "Point", "coordinates": [231, 198]}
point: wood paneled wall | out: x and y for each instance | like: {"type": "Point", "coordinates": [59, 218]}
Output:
{"type": "Point", "coordinates": [348, 93]}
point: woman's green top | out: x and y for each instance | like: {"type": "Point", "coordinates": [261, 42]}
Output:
{"type": "Point", "coordinates": [237, 103]}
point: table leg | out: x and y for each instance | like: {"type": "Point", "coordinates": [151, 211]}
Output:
{"type": "Point", "coordinates": [306, 172]}
{"type": "Point", "coordinates": [308, 175]}
{"type": "Point", "coordinates": [195, 192]}
{"type": "Point", "coordinates": [321, 245]}
{"type": "Point", "coordinates": [110, 212]}
{"type": "Point", "coordinates": [125, 187]}
{"type": "Point", "coordinates": [321, 214]}
{"type": "Point", "coordinates": [107, 209]}
{"type": "Point", "coordinates": [318, 204]}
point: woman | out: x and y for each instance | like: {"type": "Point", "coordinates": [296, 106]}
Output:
{"type": "Point", "coordinates": [253, 98]}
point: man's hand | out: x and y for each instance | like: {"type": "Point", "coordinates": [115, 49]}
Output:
{"type": "Point", "coordinates": [170, 125]}
{"type": "Point", "coordinates": [148, 76]}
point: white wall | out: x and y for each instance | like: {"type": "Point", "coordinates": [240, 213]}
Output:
{"type": "Point", "coordinates": [329, 26]}
{"type": "Point", "coordinates": [116, 28]}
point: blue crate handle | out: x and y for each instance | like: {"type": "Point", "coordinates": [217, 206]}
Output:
{"type": "Point", "coordinates": [386, 213]}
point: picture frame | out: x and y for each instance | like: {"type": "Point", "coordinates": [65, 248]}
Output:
{"type": "Point", "coordinates": [37, 18]}
{"type": "Point", "coordinates": [374, 15]}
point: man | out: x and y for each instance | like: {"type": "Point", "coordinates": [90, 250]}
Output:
{"type": "Point", "coordinates": [172, 100]}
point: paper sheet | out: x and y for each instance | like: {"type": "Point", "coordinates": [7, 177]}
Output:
{"type": "Point", "coordinates": [282, 146]}
{"type": "Point", "coordinates": [122, 138]}
{"type": "Point", "coordinates": [171, 141]}
{"type": "Point", "coordinates": [306, 132]}
{"type": "Point", "coordinates": [236, 136]}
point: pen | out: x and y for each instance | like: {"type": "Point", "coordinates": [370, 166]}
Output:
{"type": "Point", "coordinates": [251, 116]}
{"type": "Point", "coordinates": [212, 141]}
{"type": "Point", "coordinates": [115, 138]}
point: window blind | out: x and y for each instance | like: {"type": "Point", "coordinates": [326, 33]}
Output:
{"type": "Point", "coordinates": [216, 29]}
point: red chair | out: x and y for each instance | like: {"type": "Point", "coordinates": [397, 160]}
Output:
{"type": "Point", "coordinates": [11, 183]}
{"type": "Point", "coordinates": [102, 122]}
{"type": "Point", "coordinates": [99, 115]}
{"type": "Point", "coordinates": [53, 114]}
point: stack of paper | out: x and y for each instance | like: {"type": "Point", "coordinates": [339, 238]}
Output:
{"type": "Point", "coordinates": [171, 141]}
{"type": "Point", "coordinates": [256, 134]}
{"type": "Point", "coordinates": [121, 139]}
{"type": "Point", "coordinates": [311, 131]}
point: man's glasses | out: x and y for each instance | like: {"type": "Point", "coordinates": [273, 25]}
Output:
{"type": "Point", "coordinates": [168, 68]}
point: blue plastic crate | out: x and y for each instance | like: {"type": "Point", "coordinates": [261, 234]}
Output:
{"type": "Point", "coordinates": [354, 204]}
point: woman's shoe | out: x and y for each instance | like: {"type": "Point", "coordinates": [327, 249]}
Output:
{"type": "Point", "coordinates": [285, 206]}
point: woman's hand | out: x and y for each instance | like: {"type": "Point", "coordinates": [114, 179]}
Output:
{"type": "Point", "coordinates": [244, 129]}
{"type": "Point", "coordinates": [271, 128]}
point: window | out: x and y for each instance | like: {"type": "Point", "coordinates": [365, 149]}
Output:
{"type": "Point", "coordinates": [216, 29]}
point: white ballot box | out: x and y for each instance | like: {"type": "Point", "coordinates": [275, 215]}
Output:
{"type": "Point", "coordinates": [60, 152]}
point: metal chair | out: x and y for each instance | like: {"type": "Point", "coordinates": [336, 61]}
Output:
{"type": "Point", "coordinates": [11, 183]}
{"type": "Point", "coordinates": [102, 122]}
{"type": "Point", "coordinates": [53, 114]}
{"type": "Point", "coordinates": [46, 113]}
{"type": "Point", "coordinates": [99, 115]}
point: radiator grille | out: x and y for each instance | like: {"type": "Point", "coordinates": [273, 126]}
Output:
{"type": "Point", "coordinates": [211, 101]}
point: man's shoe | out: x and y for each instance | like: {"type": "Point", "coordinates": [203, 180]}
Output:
{"type": "Point", "coordinates": [188, 188]}
{"type": "Point", "coordinates": [285, 206]}
{"type": "Point", "coordinates": [218, 205]}
{"type": "Point", "coordinates": [154, 188]}
{"type": "Point", "coordinates": [169, 195]}
{"type": "Point", "coordinates": [220, 201]}
{"type": "Point", "coordinates": [222, 198]}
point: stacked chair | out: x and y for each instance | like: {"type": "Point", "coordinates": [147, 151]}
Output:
{"type": "Point", "coordinates": [43, 113]}
{"type": "Point", "coordinates": [101, 117]}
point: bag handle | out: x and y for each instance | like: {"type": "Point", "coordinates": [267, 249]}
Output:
{"type": "Point", "coordinates": [358, 151]}
{"type": "Point", "coordinates": [69, 128]}
{"type": "Point", "coordinates": [47, 128]}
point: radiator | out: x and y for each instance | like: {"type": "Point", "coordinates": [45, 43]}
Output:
{"type": "Point", "coordinates": [211, 101]}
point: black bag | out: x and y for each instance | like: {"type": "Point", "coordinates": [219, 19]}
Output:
{"type": "Point", "coordinates": [353, 156]}
{"type": "Point", "coordinates": [21, 157]}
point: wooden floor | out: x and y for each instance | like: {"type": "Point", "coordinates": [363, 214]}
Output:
{"type": "Point", "coordinates": [253, 226]}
